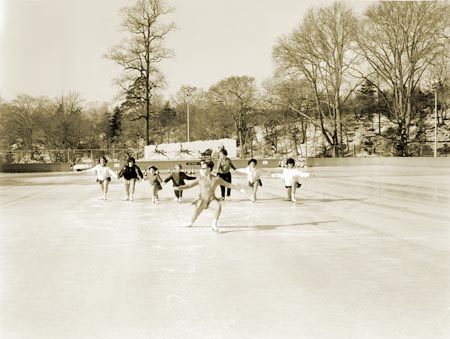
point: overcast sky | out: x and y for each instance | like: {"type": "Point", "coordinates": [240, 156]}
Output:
{"type": "Point", "coordinates": [52, 47]}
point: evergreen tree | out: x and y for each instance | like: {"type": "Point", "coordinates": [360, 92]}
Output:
{"type": "Point", "coordinates": [115, 126]}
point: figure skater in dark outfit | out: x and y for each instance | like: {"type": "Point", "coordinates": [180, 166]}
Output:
{"type": "Point", "coordinates": [178, 179]}
{"type": "Point", "coordinates": [130, 172]}
{"type": "Point", "coordinates": [208, 184]}
{"type": "Point", "coordinates": [223, 170]}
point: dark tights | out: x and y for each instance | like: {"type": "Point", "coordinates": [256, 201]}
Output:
{"type": "Point", "coordinates": [227, 178]}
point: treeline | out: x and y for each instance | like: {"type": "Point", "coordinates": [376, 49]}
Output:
{"type": "Point", "coordinates": [266, 120]}
{"type": "Point", "coordinates": [337, 73]}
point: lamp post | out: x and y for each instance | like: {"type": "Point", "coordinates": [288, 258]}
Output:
{"type": "Point", "coordinates": [188, 92]}
{"type": "Point", "coordinates": [435, 87]}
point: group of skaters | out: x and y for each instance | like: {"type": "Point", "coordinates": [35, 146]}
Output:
{"type": "Point", "coordinates": [206, 180]}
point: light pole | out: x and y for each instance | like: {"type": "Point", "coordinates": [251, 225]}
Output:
{"type": "Point", "coordinates": [435, 87]}
{"type": "Point", "coordinates": [188, 92]}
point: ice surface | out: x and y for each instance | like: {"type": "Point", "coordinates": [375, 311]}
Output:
{"type": "Point", "coordinates": [364, 253]}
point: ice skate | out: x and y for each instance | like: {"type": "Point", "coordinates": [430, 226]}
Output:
{"type": "Point", "coordinates": [214, 226]}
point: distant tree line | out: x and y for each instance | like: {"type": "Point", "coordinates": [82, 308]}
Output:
{"type": "Point", "coordinates": [336, 74]}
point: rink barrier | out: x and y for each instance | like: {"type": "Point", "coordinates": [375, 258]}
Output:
{"type": "Point", "coordinates": [380, 161]}
{"type": "Point", "coordinates": [163, 165]}
{"type": "Point", "coordinates": [29, 168]}
{"type": "Point", "coordinates": [195, 164]}
{"type": "Point", "coordinates": [240, 163]}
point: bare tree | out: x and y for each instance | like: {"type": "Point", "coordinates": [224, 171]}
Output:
{"type": "Point", "coordinates": [236, 97]}
{"type": "Point", "coordinates": [439, 80]}
{"type": "Point", "coordinates": [320, 50]}
{"type": "Point", "coordinates": [401, 40]}
{"type": "Point", "coordinates": [23, 120]}
{"type": "Point", "coordinates": [207, 120]}
{"type": "Point", "coordinates": [140, 53]}
{"type": "Point", "coordinates": [291, 98]}
{"type": "Point", "coordinates": [65, 125]}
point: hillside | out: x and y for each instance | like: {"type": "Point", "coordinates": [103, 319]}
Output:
{"type": "Point", "coordinates": [369, 138]}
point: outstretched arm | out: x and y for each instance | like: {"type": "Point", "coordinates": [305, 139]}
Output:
{"type": "Point", "coordinates": [232, 165]}
{"type": "Point", "coordinates": [139, 173]}
{"type": "Point", "coordinates": [277, 175]}
{"type": "Point", "coordinates": [222, 182]}
{"type": "Point", "coordinates": [242, 170]}
{"type": "Point", "coordinates": [120, 174]}
{"type": "Point", "coordinates": [112, 173]}
{"type": "Point", "coordinates": [158, 177]}
{"type": "Point", "coordinates": [303, 174]}
{"type": "Point", "coordinates": [89, 170]}
{"type": "Point", "coordinates": [188, 177]}
{"type": "Point", "coordinates": [187, 186]}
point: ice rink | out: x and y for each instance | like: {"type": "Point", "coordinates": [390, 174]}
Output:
{"type": "Point", "coordinates": [364, 253]}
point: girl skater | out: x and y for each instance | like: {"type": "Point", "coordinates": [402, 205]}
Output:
{"type": "Point", "coordinates": [253, 176]}
{"type": "Point", "coordinates": [130, 172]}
{"type": "Point", "coordinates": [223, 170]}
{"type": "Point", "coordinates": [208, 184]}
{"type": "Point", "coordinates": [155, 182]}
{"type": "Point", "coordinates": [291, 177]}
{"type": "Point", "coordinates": [178, 179]}
{"type": "Point", "coordinates": [104, 174]}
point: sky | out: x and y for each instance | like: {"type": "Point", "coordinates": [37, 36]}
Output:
{"type": "Point", "coordinates": [54, 47]}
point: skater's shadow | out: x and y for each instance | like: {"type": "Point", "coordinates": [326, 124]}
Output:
{"type": "Point", "coordinates": [25, 182]}
{"type": "Point", "coordinates": [333, 200]}
{"type": "Point", "coordinates": [255, 228]}
{"type": "Point", "coordinates": [301, 199]}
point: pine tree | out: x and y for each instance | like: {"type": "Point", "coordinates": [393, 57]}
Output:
{"type": "Point", "coordinates": [115, 126]}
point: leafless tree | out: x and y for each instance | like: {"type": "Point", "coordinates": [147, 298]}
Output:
{"type": "Point", "coordinates": [236, 97]}
{"type": "Point", "coordinates": [65, 125]}
{"type": "Point", "coordinates": [292, 98]}
{"type": "Point", "coordinates": [23, 120]}
{"type": "Point", "coordinates": [140, 53]}
{"type": "Point", "coordinates": [321, 51]}
{"type": "Point", "coordinates": [439, 79]}
{"type": "Point", "coordinates": [401, 40]}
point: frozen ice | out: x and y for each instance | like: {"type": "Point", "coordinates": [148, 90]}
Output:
{"type": "Point", "coordinates": [363, 253]}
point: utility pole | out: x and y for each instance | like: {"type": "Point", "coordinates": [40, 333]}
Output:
{"type": "Point", "coordinates": [188, 92]}
{"type": "Point", "coordinates": [435, 87]}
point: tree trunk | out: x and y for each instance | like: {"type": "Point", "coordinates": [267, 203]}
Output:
{"type": "Point", "coordinates": [402, 140]}
{"type": "Point", "coordinates": [241, 144]}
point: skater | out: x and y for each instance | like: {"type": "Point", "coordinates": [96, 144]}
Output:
{"type": "Point", "coordinates": [220, 149]}
{"type": "Point", "coordinates": [178, 177]}
{"type": "Point", "coordinates": [152, 175]}
{"type": "Point", "coordinates": [130, 172]}
{"type": "Point", "coordinates": [208, 184]}
{"type": "Point", "coordinates": [104, 174]}
{"type": "Point", "coordinates": [253, 176]}
{"type": "Point", "coordinates": [223, 170]}
{"type": "Point", "coordinates": [291, 177]}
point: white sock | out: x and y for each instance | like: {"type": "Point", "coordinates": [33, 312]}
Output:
{"type": "Point", "coordinates": [214, 225]}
